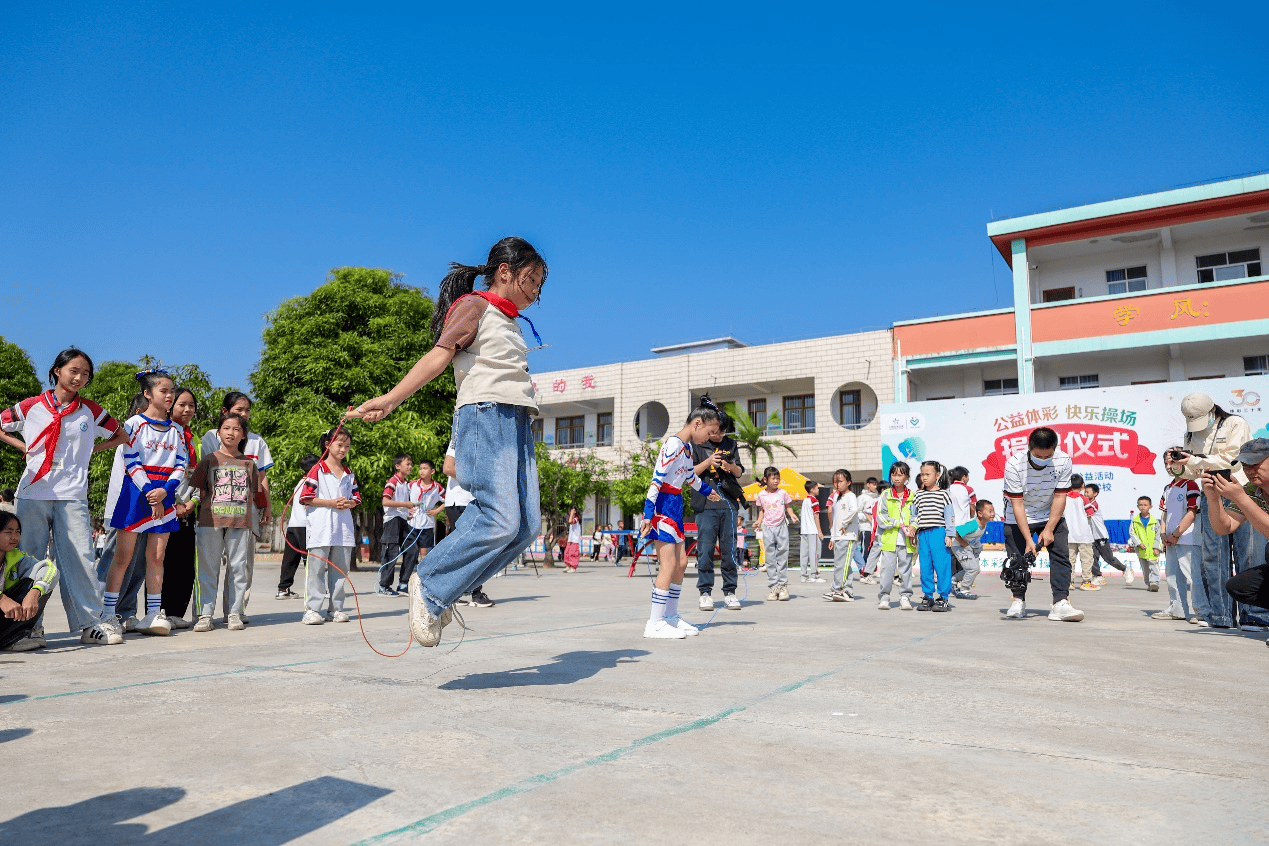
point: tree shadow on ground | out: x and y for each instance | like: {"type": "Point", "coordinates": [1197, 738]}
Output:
{"type": "Point", "coordinates": [13, 734]}
{"type": "Point", "coordinates": [268, 820]}
{"type": "Point", "coordinates": [563, 669]}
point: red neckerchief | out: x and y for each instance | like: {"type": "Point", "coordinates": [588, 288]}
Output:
{"type": "Point", "coordinates": [192, 461]}
{"type": "Point", "coordinates": [503, 304]}
{"type": "Point", "coordinates": [53, 433]}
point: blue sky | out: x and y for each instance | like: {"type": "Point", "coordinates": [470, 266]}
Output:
{"type": "Point", "coordinates": [169, 174]}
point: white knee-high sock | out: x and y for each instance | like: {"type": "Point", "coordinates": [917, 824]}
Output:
{"type": "Point", "coordinates": [659, 598]}
{"type": "Point", "coordinates": [672, 603]}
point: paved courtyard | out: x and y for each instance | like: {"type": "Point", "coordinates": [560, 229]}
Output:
{"type": "Point", "coordinates": [556, 722]}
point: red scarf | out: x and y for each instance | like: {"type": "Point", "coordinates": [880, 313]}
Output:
{"type": "Point", "coordinates": [189, 448]}
{"type": "Point", "coordinates": [53, 433]}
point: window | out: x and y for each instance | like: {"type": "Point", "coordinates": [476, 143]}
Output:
{"type": "Point", "coordinates": [1056, 295]}
{"type": "Point", "coordinates": [1074, 383]}
{"type": "Point", "coordinates": [996, 387]}
{"type": "Point", "coordinates": [1238, 264]}
{"type": "Point", "coordinates": [850, 408]}
{"type": "Point", "coordinates": [1126, 280]}
{"type": "Point", "coordinates": [758, 412]}
{"type": "Point", "coordinates": [603, 508]}
{"type": "Point", "coordinates": [603, 433]}
{"type": "Point", "coordinates": [799, 413]}
{"type": "Point", "coordinates": [1256, 365]}
{"type": "Point", "coordinates": [536, 427]}
{"type": "Point", "coordinates": [570, 431]}
{"type": "Point", "coordinates": [1201, 378]}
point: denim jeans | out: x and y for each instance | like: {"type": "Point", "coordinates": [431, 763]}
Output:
{"type": "Point", "coordinates": [1254, 614]}
{"type": "Point", "coordinates": [133, 577]}
{"type": "Point", "coordinates": [716, 526]}
{"type": "Point", "coordinates": [1222, 555]}
{"type": "Point", "coordinates": [62, 527]}
{"type": "Point", "coordinates": [495, 462]}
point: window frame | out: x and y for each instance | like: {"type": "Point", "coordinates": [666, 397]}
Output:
{"type": "Point", "coordinates": [1003, 390]}
{"type": "Point", "coordinates": [806, 402]}
{"type": "Point", "coordinates": [575, 424]}
{"type": "Point", "coordinates": [857, 405]}
{"type": "Point", "coordinates": [752, 409]}
{"type": "Point", "coordinates": [1081, 382]}
{"type": "Point", "coordinates": [599, 429]}
{"type": "Point", "coordinates": [1260, 367]}
{"type": "Point", "coordinates": [1247, 263]}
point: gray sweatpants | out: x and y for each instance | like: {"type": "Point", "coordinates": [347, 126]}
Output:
{"type": "Point", "coordinates": [323, 581]}
{"type": "Point", "coordinates": [967, 557]}
{"type": "Point", "coordinates": [843, 577]}
{"type": "Point", "coordinates": [213, 545]}
{"type": "Point", "coordinates": [776, 541]}
{"type": "Point", "coordinates": [809, 555]}
{"type": "Point", "coordinates": [889, 561]}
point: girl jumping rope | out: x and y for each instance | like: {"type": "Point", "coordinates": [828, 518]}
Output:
{"type": "Point", "coordinates": [493, 438]}
{"type": "Point", "coordinates": [154, 461]}
{"type": "Point", "coordinates": [663, 518]}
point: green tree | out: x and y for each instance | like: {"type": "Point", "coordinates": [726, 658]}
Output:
{"type": "Point", "coordinates": [113, 387]}
{"type": "Point", "coordinates": [350, 340]}
{"type": "Point", "coordinates": [753, 438]}
{"type": "Point", "coordinates": [633, 477]}
{"type": "Point", "coordinates": [566, 484]}
{"type": "Point", "coordinates": [17, 382]}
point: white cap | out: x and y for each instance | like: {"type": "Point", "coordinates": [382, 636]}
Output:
{"type": "Point", "coordinates": [1196, 407]}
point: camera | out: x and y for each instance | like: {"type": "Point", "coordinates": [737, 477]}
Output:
{"type": "Point", "coordinates": [1226, 473]}
{"type": "Point", "coordinates": [1175, 455]}
{"type": "Point", "coordinates": [1016, 573]}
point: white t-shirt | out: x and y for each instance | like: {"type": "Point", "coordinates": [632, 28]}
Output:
{"type": "Point", "coordinates": [1177, 499]}
{"type": "Point", "coordinates": [845, 517]}
{"type": "Point", "coordinates": [299, 513]}
{"type": "Point", "coordinates": [962, 508]}
{"type": "Point", "coordinates": [575, 532]}
{"type": "Point", "coordinates": [810, 516]}
{"type": "Point", "coordinates": [1036, 488]}
{"type": "Point", "coordinates": [1097, 522]}
{"type": "Point", "coordinates": [255, 449]}
{"type": "Point", "coordinates": [867, 500]}
{"type": "Point", "coordinates": [399, 490]}
{"type": "Point", "coordinates": [1079, 528]}
{"type": "Point", "coordinates": [67, 474]}
{"type": "Point", "coordinates": [327, 526]}
{"type": "Point", "coordinates": [427, 496]}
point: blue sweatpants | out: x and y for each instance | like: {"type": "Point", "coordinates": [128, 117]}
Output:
{"type": "Point", "coordinates": [936, 561]}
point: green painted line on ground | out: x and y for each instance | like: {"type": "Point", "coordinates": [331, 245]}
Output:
{"type": "Point", "coordinates": [430, 823]}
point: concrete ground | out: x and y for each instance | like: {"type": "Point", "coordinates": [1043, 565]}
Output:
{"type": "Point", "coordinates": [556, 722]}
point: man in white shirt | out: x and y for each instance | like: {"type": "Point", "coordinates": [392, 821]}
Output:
{"type": "Point", "coordinates": [1036, 483]}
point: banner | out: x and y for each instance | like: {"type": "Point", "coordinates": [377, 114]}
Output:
{"type": "Point", "coordinates": [1115, 436]}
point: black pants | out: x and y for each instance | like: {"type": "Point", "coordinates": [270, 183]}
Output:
{"type": "Point", "coordinates": [392, 538]}
{"type": "Point", "coordinates": [716, 526]}
{"type": "Point", "coordinates": [1102, 551]}
{"type": "Point", "coordinates": [1251, 586]}
{"type": "Point", "coordinates": [295, 553]}
{"type": "Point", "coordinates": [179, 569]}
{"type": "Point", "coordinates": [1059, 558]}
{"type": "Point", "coordinates": [11, 631]}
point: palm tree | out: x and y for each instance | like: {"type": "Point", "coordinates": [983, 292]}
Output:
{"type": "Point", "coordinates": [752, 437]}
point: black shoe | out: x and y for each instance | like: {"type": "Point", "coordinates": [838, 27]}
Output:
{"type": "Point", "coordinates": [940, 604]}
{"type": "Point", "coordinates": [479, 599]}
{"type": "Point", "coordinates": [927, 604]}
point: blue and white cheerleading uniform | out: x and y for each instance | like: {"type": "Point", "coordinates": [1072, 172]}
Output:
{"type": "Point", "coordinates": [154, 458]}
{"type": "Point", "coordinates": [664, 504]}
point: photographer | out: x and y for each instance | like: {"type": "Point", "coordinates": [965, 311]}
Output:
{"type": "Point", "coordinates": [718, 463]}
{"type": "Point", "coordinates": [1233, 507]}
{"type": "Point", "coordinates": [1213, 438]}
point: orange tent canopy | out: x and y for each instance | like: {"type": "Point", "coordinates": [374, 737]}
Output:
{"type": "Point", "coordinates": [791, 481]}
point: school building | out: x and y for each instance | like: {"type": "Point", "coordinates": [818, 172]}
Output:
{"type": "Point", "coordinates": [1162, 287]}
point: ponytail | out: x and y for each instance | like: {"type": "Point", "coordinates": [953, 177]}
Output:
{"type": "Point", "coordinates": [515, 253]}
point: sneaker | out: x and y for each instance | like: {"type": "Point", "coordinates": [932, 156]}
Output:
{"type": "Point", "coordinates": [178, 622]}
{"type": "Point", "coordinates": [784, 593]}
{"type": "Point", "coordinates": [479, 600]}
{"type": "Point", "coordinates": [1088, 586]}
{"type": "Point", "coordinates": [805, 579]}
{"type": "Point", "coordinates": [905, 604]}
{"type": "Point", "coordinates": [286, 594]}
{"type": "Point", "coordinates": [1165, 615]}
{"type": "Point", "coordinates": [1203, 624]}
{"type": "Point", "coordinates": [706, 602]}
{"type": "Point", "coordinates": [340, 617]}
{"type": "Point", "coordinates": [1251, 627]}
{"type": "Point", "coordinates": [926, 604]}
{"type": "Point", "coordinates": [130, 624]}
{"type": "Point", "coordinates": [1193, 621]}
{"type": "Point", "coordinates": [683, 625]}
{"type": "Point", "coordinates": [662, 629]}
{"type": "Point", "coordinates": [1100, 581]}
{"type": "Point", "coordinates": [154, 624]}
{"type": "Point", "coordinates": [1017, 610]}
{"type": "Point", "coordinates": [1153, 587]}
{"type": "Point", "coordinates": [246, 621]}
{"type": "Point", "coordinates": [773, 595]}
{"type": "Point", "coordinates": [940, 604]}
{"type": "Point", "coordinates": [836, 596]}
{"type": "Point", "coordinates": [1063, 612]}
{"type": "Point", "coordinates": [883, 605]}
{"type": "Point", "coordinates": [312, 618]}
{"type": "Point", "coordinates": [870, 580]}
{"type": "Point", "coordinates": [204, 624]}
{"type": "Point", "coordinates": [425, 628]}
{"type": "Point", "coordinates": [383, 591]}
{"type": "Point", "coordinates": [817, 580]}
{"type": "Point", "coordinates": [33, 640]}
{"type": "Point", "coordinates": [730, 602]}
{"type": "Point", "coordinates": [1128, 577]}
{"type": "Point", "coordinates": [234, 623]}
{"type": "Point", "coordinates": [963, 593]}
{"type": "Point", "coordinates": [106, 632]}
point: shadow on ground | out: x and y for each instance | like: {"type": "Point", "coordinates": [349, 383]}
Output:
{"type": "Point", "coordinates": [268, 820]}
{"type": "Point", "coordinates": [13, 734]}
{"type": "Point", "coordinates": [563, 669]}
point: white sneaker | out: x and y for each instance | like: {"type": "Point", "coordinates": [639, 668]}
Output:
{"type": "Point", "coordinates": [106, 632]}
{"type": "Point", "coordinates": [204, 623]}
{"type": "Point", "coordinates": [805, 579]}
{"type": "Point", "coordinates": [706, 603]}
{"type": "Point", "coordinates": [817, 580]}
{"type": "Point", "coordinates": [683, 625]}
{"type": "Point", "coordinates": [1128, 577]}
{"type": "Point", "coordinates": [234, 623]}
{"type": "Point", "coordinates": [883, 605]}
{"type": "Point", "coordinates": [1017, 610]}
{"type": "Point", "coordinates": [154, 624]}
{"type": "Point", "coordinates": [662, 629]}
{"type": "Point", "coordinates": [1063, 612]}
{"type": "Point", "coordinates": [34, 639]}
{"type": "Point", "coordinates": [731, 603]}
{"type": "Point", "coordinates": [773, 595]}
{"type": "Point", "coordinates": [340, 617]}
{"type": "Point", "coordinates": [905, 604]}
{"type": "Point", "coordinates": [130, 624]}
{"type": "Point", "coordinates": [425, 628]}
{"type": "Point", "coordinates": [312, 618]}
{"type": "Point", "coordinates": [178, 622]}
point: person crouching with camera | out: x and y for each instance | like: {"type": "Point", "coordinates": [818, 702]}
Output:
{"type": "Point", "coordinates": [1232, 506]}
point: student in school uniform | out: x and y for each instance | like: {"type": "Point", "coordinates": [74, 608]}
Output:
{"type": "Point", "coordinates": [296, 551]}
{"type": "Point", "coordinates": [330, 493]}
